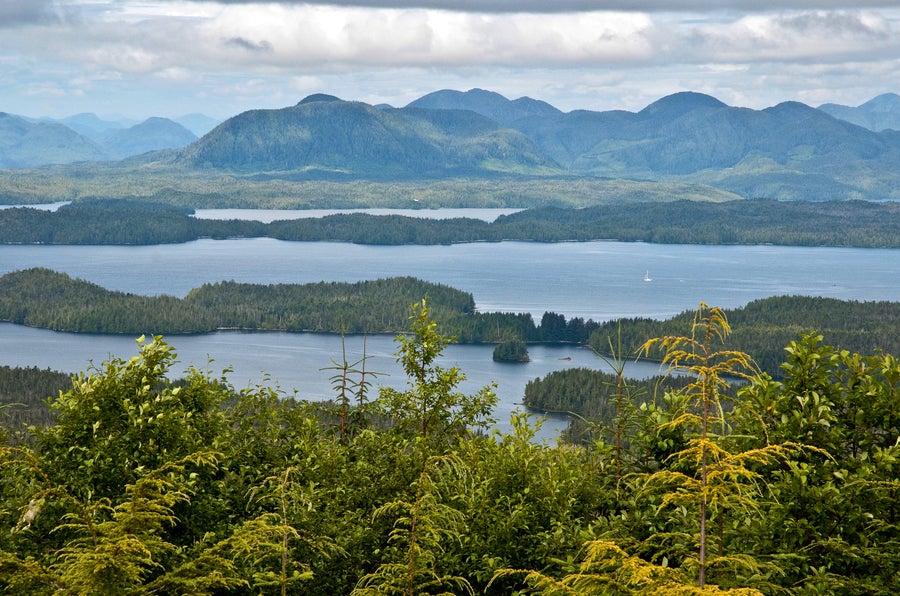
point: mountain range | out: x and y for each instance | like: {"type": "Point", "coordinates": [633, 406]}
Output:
{"type": "Point", "coordinates": [788, 151]}
{"type": "Point", "coordinates": [26, 143]}
{"type": "Point", "coordinates": [879, 113]}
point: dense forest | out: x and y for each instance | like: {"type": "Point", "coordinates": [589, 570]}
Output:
{"type": "Point", "coordinates": [144, 485]}
{"type": "Point", "coordinates": [763, 327]}
{"type": "Point", "coordinates": [48, 299]}
{"type": "Point", "coordinates": [24, 393]}
{"type": "Point", "coordinates": [209, 190]}
{"type": "Point", "coordinates": [133, 221]}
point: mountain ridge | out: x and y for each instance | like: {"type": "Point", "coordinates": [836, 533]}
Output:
{"type": "Point", "coordinates": [787, 151]}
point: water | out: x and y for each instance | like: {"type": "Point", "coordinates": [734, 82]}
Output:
{"type": "Point", "coordinates": [596, 280]}
{"type": "Point", "coordinates": [270, 215]}
{"type": "Point", "coordinates": [295, 362]}
{"type": "Point", "coordinates": [40, 206]}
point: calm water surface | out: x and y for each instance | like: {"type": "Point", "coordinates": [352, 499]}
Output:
{"type": "Point", "coordinates": [597, 280]}
{"type": "Point", "coordinates": [299, 364]}
{"type": "Point", "coordinates": [270, 215]}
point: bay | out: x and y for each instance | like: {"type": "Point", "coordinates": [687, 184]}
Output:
{"type": "Point", "coordinates": [596, 280]}
{"type": "Point", "coordinates": [302, 365]}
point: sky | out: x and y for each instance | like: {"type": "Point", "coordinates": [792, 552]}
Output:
{"type": "Point", "coordinates": [139, 58]}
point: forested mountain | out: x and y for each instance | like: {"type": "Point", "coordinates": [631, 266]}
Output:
{"type": "Point", "coordinates": [108, 131]}
{"type": "Point", "coordinates": [487, 103]}
{"type": "Point", "coordinates": [786, 152]}
{"type": "Point", "coordinates": [879, 113]}
{"type": "Point", "coordinates": [150, 135]}
{"type": "Point", "coordinates": [323, 136]}
{"type": "Point", "coordinates": [25, 144]}
{"type": "Point", "coordinates": [789, 151]}
{"type": "Point", "coordinates": [90, 125]}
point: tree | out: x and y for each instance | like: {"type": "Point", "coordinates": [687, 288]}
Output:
{"type": "Point", "coordinates": [420, 529]}
{"type": "Point", "coordinates": [514, 350]}
{"type": "Point", "coordinates": [705, 474]}
{"type": "Point", "coordinates": [127, 416]}
{"type": "Point", "coordinates": [606, 569]}
{"type": "Point", "coordinates": [835, 526]}
{"type": "Point", "coordinates": [432, 406]}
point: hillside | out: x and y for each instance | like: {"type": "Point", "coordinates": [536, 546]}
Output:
{"type": "Point", "coordinates": [83, 137]}
{"type": "Point", "coordinates": [879, 113]}
{"type": "Point", "coordinates": [26, 144]}
{"type": "Point", "coordinates": [150, 135]}
{"type": "Point", "coordinates": [790, 151]}
{"type": "Point", "coordinates": [323, 136]}
{"type": "Point", "coordinates": [487, 103]}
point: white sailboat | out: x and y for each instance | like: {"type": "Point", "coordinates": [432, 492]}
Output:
{"type": "Point", "coordinates": [647, 276]}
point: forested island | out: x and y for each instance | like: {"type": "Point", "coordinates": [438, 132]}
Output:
{"type": "Point", "coordinates": [758, 221]}
{"type": "Point", "coordinates": [51, 300]}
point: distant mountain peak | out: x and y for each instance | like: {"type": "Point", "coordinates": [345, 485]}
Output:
{"type": "Point", "coordinates": [487, 103]}
{"type": "Point", "coordinates": [886, 102]}
{"type": "Point", "coordinates": [793, 108]}
{"type": "Point", "coordinates": [879, 113]}
{"type": "Point", "coordinates": [318, 97]}
{"type": "Point", "coordinates": [678, 104]}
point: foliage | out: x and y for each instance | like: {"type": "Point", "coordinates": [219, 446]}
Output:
{"type": "Point", "coordinates": [836, 526]}
{"type": "Point", "coordinates": [351, 382]}
{"type": "Point", "coordinates": [420, 528]}
{"type": "Point", "coordinates": [607, 569]}
{"type": "Point", "coordinates": [432, 406]}
{"type": "Point", "coordinates": [127, 417]}
{"type": "Point", "coordinates": [511, 351]}
{"type": "Point", "coordinates": [763, 327]}
{"type": "Point", "coordinates": [141, 484]}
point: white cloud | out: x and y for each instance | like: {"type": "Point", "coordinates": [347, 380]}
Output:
{"type": "Point", "coordinates": [259, 54]}
{"type": "Point", "coordinates": [800, 36]}
{"type": "Point", "coordinates": [560, 6]}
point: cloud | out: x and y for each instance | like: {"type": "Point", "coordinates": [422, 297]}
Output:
{"type": "Point", "coordinates": [816, 35]}
{"type": "Point", "coordinates": [234, 55]}
{"type": "Point", "coordinates": [245, 44]}
{"type": "Point", "coordinates": [562, 6]}
{"type": "Point", "coordinates": [332, 37]}
{"type": "Point", "coordinates": [14, 13]}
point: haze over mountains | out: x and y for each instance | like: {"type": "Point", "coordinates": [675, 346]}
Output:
{"type": "Point", "coordinates": [788, 151]}
{"type": "Point", "coordinates": [85, 137]}
{"type": "Point", "coordinates": [879, 113]}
